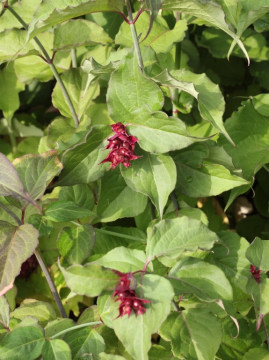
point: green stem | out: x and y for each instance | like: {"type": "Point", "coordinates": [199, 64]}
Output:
{"type": "Point", "coordinates": [51, 284]}
{"type": "Point", "coordinates": [134, 36]}
{"type": "Point", "coordinates": [11, 135]}
{"type": "Point", "coordinates": [76, 327]}
{"type": "Point", "coordinates": [124, 236]}
{"type": "Point", "coordinates": [74, 58]}
{"type": "Point", "coordinates": [52, 67]}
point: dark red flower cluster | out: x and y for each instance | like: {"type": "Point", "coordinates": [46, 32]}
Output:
{"type": "Point", "coordinates": [256, 273]}
{"type": "Point", "coordinates": [125, 292]}
{"type": "Point", "coordinates": [122, 147]}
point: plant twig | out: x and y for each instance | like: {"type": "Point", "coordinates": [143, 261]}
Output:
{"type": "Point", "coordinates": [51, 284]}
{"type": "Point", "coordinates": [134, 36]}
{"type": "Point", "coordinates": [52, 67]}
{"type": "Point", "coordinates": [76, 327]}
{"type": "Point", "coordinates": [74, 58]}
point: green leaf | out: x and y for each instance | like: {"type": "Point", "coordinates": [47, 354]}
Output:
{"type": "Point", "coordinates": [169, 238]}
{"type": "Point", "coordinates": [17, 244]}
{"type": "Point", "coordinates": [62, 210]}
{"type": "Point", "coordinates": [210, 11]}
{"type": "Point", "coordinates": [197, 277]}
{"type": "Point", "coordinates": [75, 33]}
{"type": "Point", "coordinates": [9, 91]}
{"type": "Point", "coordinates": [135, 331]}
{"type": "Point", "coordinates": [59, 130]}
{"type": "Point", "coordinates": [252, 142]}
{"type": "Point", "coordinates": [55, 326]}
{"type": "Point", "coordinates": [158, 133]}
{"type": "Point", "coordinates": [154, 176]}
{"type": "Point", "coordinates": [37, 171]}
{"type": "Point", "coordinates": [123, 259]}
{"type": "Point", "coordinates": [51, 13]}
{"type": "Point", "coordinates": [82, 162]}
{"type": "Point", "coordinates": [10, 183]}
{"type": "Point", "coordinates": [80, 194]}
{"type": "Point", "coordinates": [76, 243]}
{"type": "Point", "coordinates": [22, 343]}
{"type": "Point", "coordinates": [130, 92]}
{"type": "Point", "coordinates": [26, 10]}
{"type": "Point", "coordinates": [4, 311]}
{"type": "Point", "coordinates": [154, 7]}
{"type": "Point", "coordinates": [194, 333]}
{"type": "Point", "coordinates": [231, 258]}
{"type": "Point", "coordinates": [75, 81]}
{"type": "Point", "coordinates": [13, 44]}
{"type": "Point", "coordinates": [56, 349]}
{"type": "Point", "coordinates": [258, 253]}
{"type": "Point", "coordinates": [257, 354]}
{"type": "Point", "coordinates": [260, 294]}
{"type": "Point", "coordinates": [160, 38]}
{"type": "Point", "coordinates": [41, 310]}
{"type": "Point", "coordinates": [83, 342]}
{"type": "Point", "coordinates": [89, 280]}
{"type": "Point", "coordinates": [104, 356]}
{"type": "Point", "coordinates": [118, 200]}
{"type": "Point", "coordinates": [200, 178]}
{"type": "Point", "coordinates": [210, 100]}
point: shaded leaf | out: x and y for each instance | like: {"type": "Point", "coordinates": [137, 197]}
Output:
{"type": "Point", "coordinates": [117, 200]}
{"type": "Point", "coordinates": [210, 11]}
{"type": "Point", "coordinates": [75, 81]}
{"type": "Point", "coordinates": [202, 279]}
{"type": "Point", "coordinates": [258, 253]}
{"type": "Point", "coordinates": [37, 171]}
{"type": "Point", "coordinates": [24, 342]}
{"type": "Point", "coordinates": [62, 210]}
{"type": "Point", "coordinates": [82, 162]}
{"type": "Point", "coordinates": [154, 176]}
{"type": "Point", "coordinates": [17, 244]}
{"type": "Point", "coordinates": [86, 341]}
{"type": "Point", "coordinates": [56, 349]}
{"type": "Point", "coordinates": [194, 333]}
{"type": "Point", "coordinates": [10, 183]}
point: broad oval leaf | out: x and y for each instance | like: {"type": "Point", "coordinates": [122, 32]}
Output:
{"type": "Point", "coordinates": [82, 161]}
{"type": "Point", "coordinates": [123, 259]}
{"type": "Point", "coordinates": [154, 176]}
{"type": "Point", "coordinates": [194, 333]}
{"type": "Point", "coordinates": [10, 183]}
{"type": "Point", "coordinates": [75, 33]}
{"type": "Point", "coordinates": [54, 12]}
{"type": "Point", "coordinates": [75, 81]}
{"type": "Point", "coordinates": [169, 238]}
{"type": "Point", "coordinates": [56, 349]}
{"type": "Point", "coordinates": [37, 171]}
{"type": "Point", "coordinates": [210, 11]}
{"type": "Point", "coordinates": [61, 210]}
{"type": "Point", "coordinates": [89, 280]}
{"type": "Point", "coordinates": [17, 244]}
{"type": "Point", "coordinates": [258, 253]}
{"type": "Point", "coordinates": [197, 277]}
{"type": "Point", "coordinates": [85, 341]}
{"type": "Point", "coordinates": [135, 331]}
{"type": "Point", "coordinates": [158, 133]}
{"type": "Point", "coordinates": [117, 200]}
{"type": "Point", "coordinates": [22, 343]}
{"type": "Point", "coordinates": [130, 92]}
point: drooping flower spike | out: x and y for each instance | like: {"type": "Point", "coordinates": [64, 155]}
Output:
{"type": "Point", "coordinates": [122, 147]}
{"type": "Point", "coordinates": [125, 293]}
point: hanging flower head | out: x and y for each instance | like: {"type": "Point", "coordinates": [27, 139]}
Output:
{"type": "Point", "coordinates": [122, 147]}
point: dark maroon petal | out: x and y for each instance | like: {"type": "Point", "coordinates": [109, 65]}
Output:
{"type": "Point", "coordinates": [118, 127]}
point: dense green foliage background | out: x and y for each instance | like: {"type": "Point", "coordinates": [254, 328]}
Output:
{"type": "Point", "coordinates": [189, 217]}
